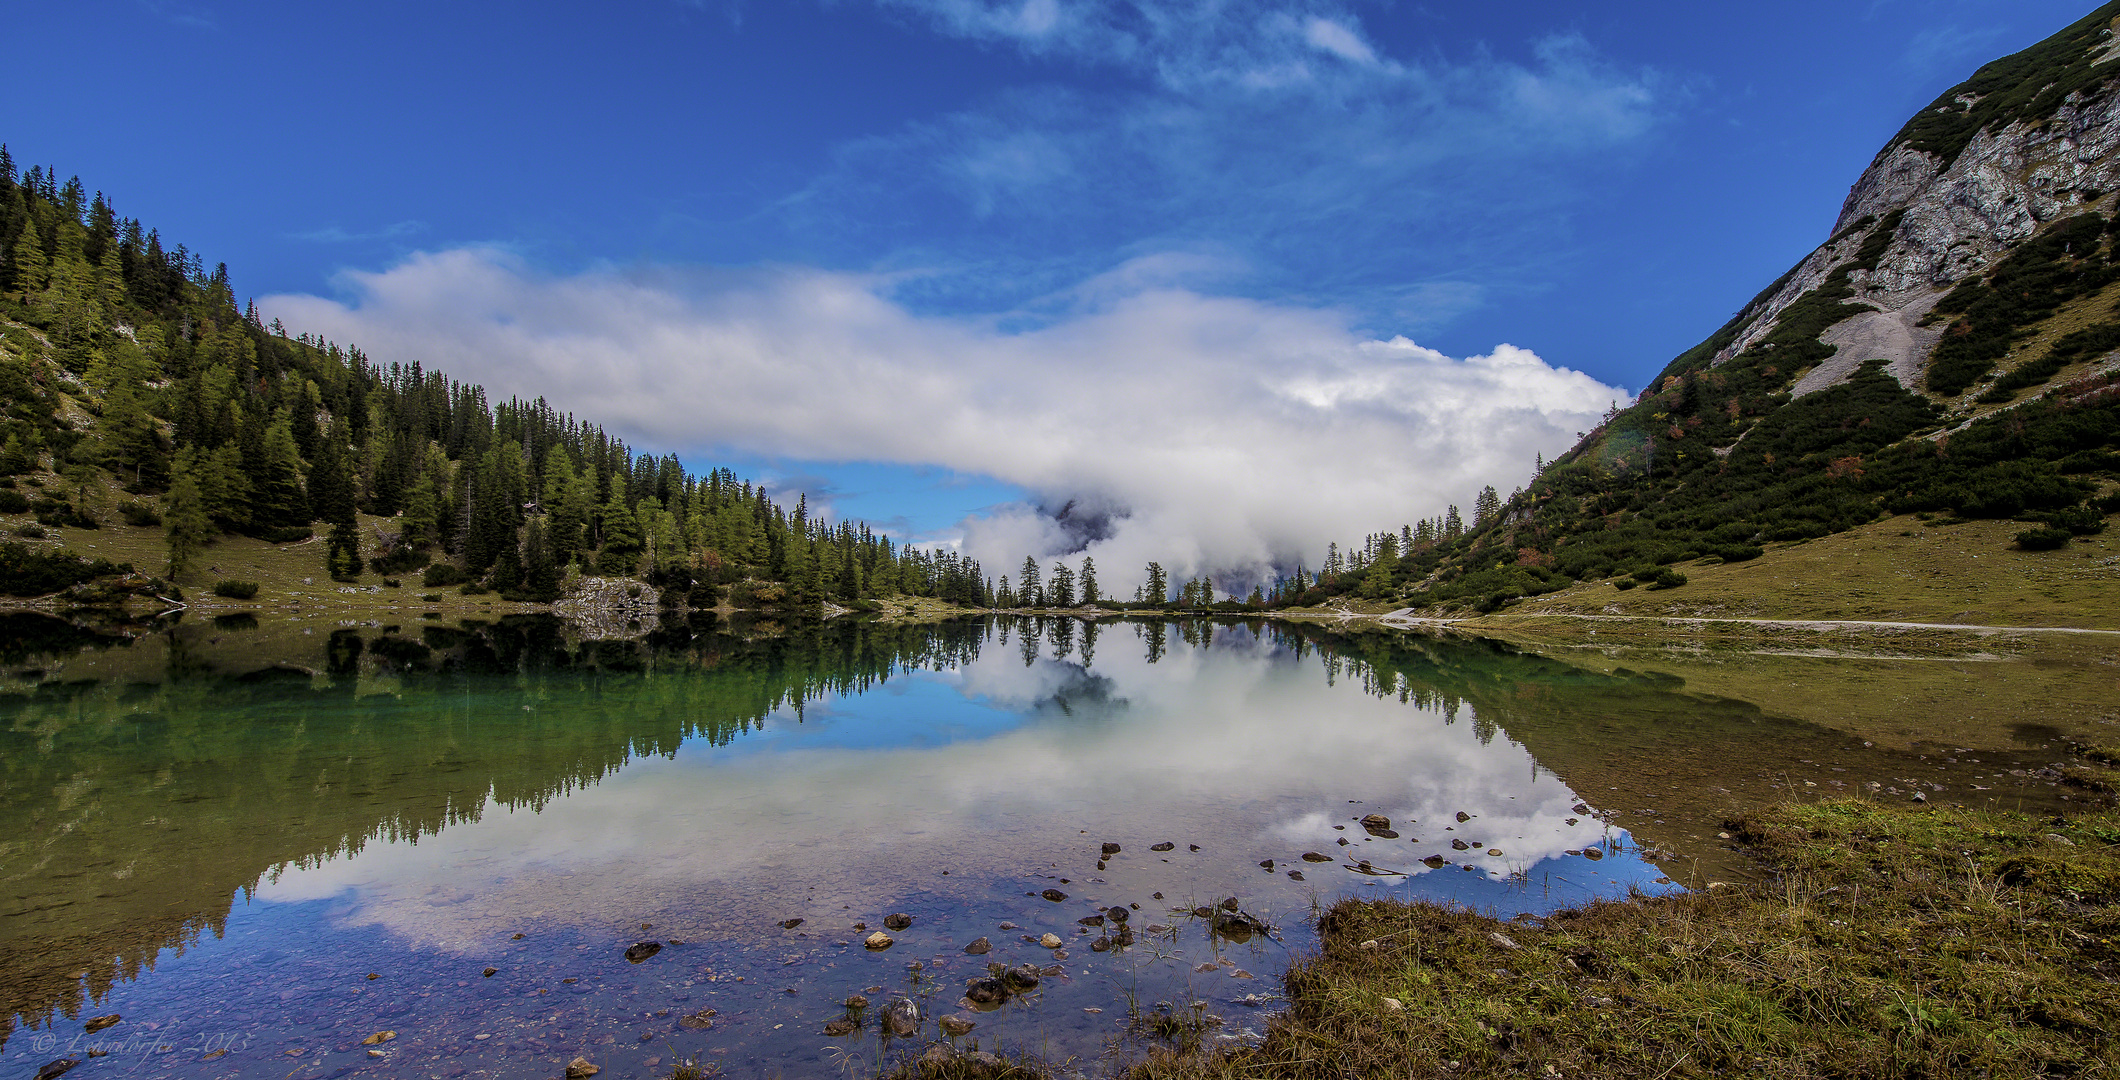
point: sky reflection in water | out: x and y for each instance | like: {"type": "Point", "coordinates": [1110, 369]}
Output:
{"type": "Point", "coordinates": [956, 793]}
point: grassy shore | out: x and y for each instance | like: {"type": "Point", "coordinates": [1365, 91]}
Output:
{"type": "Point", "coordinates": [1889, 943]}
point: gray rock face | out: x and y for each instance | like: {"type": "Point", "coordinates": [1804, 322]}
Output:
{"type": "Point", "coordinates": [1960, 219]}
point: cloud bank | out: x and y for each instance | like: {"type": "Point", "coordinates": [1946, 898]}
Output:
{"type": "Point", "coordinates": [1217, 434]}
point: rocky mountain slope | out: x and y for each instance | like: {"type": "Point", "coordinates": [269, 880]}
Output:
{"type": "Point", "coordinates": [2030, 140]}
{"type": "Point", "coordinates": [1952, 350]}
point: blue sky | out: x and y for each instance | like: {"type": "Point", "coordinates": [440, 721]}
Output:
{"type": "Point", "coordinates": [1600, 185]}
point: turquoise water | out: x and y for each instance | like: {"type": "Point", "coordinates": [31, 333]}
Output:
{"type": "Point", "coordinates": [221, 832]}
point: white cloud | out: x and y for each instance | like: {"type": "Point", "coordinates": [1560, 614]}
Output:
{"type": "Point", "coordinates": [1234, 434]}
{"type": "Point", "coordinates": [1337, 39]}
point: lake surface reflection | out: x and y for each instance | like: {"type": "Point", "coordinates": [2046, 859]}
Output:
{"type": "Point", "coordinates": [258, 857]}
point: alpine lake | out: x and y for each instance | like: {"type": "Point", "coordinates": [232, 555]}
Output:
{"type": "Point", "coordinates": [303, 848]}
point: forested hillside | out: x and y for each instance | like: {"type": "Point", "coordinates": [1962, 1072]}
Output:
{"type": "Point", "coordinates": [125, 362]}
{"type": "Point", "coordinates": [1949, 351]}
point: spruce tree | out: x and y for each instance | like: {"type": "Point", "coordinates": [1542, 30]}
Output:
{"type": "Point", "coordinates": [623, 542]}
{"type": "Point", "coordinates": [422, 510]}
{"type": "Point", "coordinates": [1486, 507]}
{"type": "Point", "coordinates": [1090, 595]}
{"type": "Point", "coordinates": [331, 479]}
{"type": "Point", "coordinates": [540, 571]}
{"type": "Point", "coordinates": [342, 552]}
{"type": "Point", "coordinates": [1028, 592]}
{"type": "Point", "coordinates": [1062, 591]}
{"type": "Point", "coordinates": [184, 522]}
{"type": "Point", "coordinates": [277, 499]}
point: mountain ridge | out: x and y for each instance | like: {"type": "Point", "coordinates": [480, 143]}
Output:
{"type": "Point", "coordinates": [1952, 347]}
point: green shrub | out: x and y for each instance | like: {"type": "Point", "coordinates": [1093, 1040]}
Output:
{"type": "Point", "coordinates": [1625, 583]}
{"type": "Point", "coordinates": [236, 590]}
{"type": "Point", "coordinates": [2078, 520]}
{"type": "Point", "coordinates": [1667, 578]}
{"type": "Point", "coordinates": [473, 588]}
{"type": "Point", "coordinates": [138, 514]}
{"type": "Point", "coordinates": [440, 575]}
{"type": "Point", "coordinates": [25, 571]}
{"type": "Point", "coordinates": [292, 534]}
{"type": "Point", "coordinates": [2044, 538]}
{"type": "Point", "coordinates": [399, 561]}
{"type": "Point", "coordinates": [30, 531]}
{"type": "Point", "coordinates": [12, 502]}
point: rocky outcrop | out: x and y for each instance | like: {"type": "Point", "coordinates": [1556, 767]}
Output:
{"type": "Point", "coordinates": [1955, 220]}
{"type": "Point", "coordinates": [610, 609]}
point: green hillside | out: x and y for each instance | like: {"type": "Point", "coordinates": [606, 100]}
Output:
{"type": "Point", "coordinates": [136, 395]}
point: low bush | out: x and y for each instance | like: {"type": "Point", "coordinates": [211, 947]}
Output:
{"type": "Point", "coordinates": [12, 502]}
{"type": "Point", "coordinates": [440, 575]}
{"type": "Point", "coordinates": [2044, 538]}
{"type": "Point", "coordinates": [2078, 520]}
{"type": "Point", "coordinates": [399, 561]}
{"type": "Point", "coordinates": [236, 590]}
{"type": "Point", "coordinates": [138, 514]}
{"type": "Point", "coordinates": [27, 571]}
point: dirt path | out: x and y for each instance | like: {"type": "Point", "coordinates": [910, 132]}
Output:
{"type": "Point", "coordinates": [1402, 618]}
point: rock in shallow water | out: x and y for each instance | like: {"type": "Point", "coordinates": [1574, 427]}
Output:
{"type": "Point", "coordinates": [898, 921]}
{"type": "Point", "coordinates": [840, 1026]}
{"type": "Point", "coordinates": [877, 940]}
{"type": "Point", "coordinates": [980, 947]}
{"type": "Point", "coordinates": [1164, 846]}
{"type": "Point", "coordinates": [581, 1069]}
{"type": "Point", "coordinates": [957, 1024]}
{"type": "Point", "coordinates": [901, 1018]}
{"type": "Point", "coordinates": [1054, 895]}
{"type": "Point", "coordinates": [640, 951]}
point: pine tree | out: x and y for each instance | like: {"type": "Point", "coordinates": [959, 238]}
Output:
{"type": "Point", "coordinates": [567, 500]}
{"type": "Point", "coordinates": [32, 270]}
{"type": "Point", "coordinates": [1027, 588]}
{"type": "Point", "coordinates": [184, 522]}
{"type": "Point", "coordinates": [1378, 583]}
{"type": "Point", "coordinates": [277, 499]}
{"type": "Point", "coordinates": [422, 511]}
{"type": "Point", "coordinates": [1158, 587]}
{"type": "Point", "coordinates": [331, 479]}
{"type": "Point", "coordinates": [1486, 507]}
{"type": "Point", "coordinates": [623, 542]}
{"type": "Point", "coordinates": [1061, 593]}
{"type": "Point", "coordinates": [342, 552]}
{"type": "Point", "coordinates": [1090, 595]}
{"type": "Point", "coordinates": [540, 570]}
